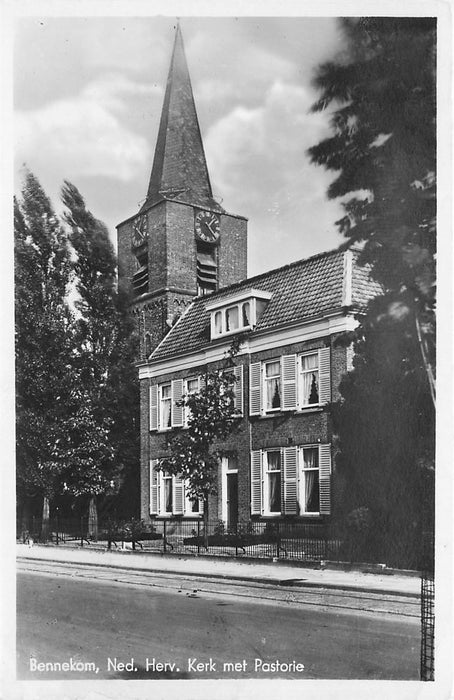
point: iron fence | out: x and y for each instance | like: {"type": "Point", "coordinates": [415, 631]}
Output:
{"type": "Point", "coordinates": [263, 540]}
{"type": "Point", "coordinates": [428, 601]}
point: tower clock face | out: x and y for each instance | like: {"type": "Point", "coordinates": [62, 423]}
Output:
{"type": "Point", "coordinates": [139, 230]}
{"type": "Point", "coordinates": [207, 224]}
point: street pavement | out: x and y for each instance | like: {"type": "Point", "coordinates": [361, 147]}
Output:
{"type": "Point", "coordinates": [72, 625]}
{"type": "Point", "coordinates": [396, 583]}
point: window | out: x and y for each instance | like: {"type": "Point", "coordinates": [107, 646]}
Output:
{"type": "Point", "coordinates": [244, 313]}
{"type": "Point", "coordinates": [290, 383]}
{"type": "Point", "coordinates": [192, 505]}
{"type": "Point", "coordinates": [191, 387]}
{"type": "Point", "coordinates": [218, 322]}
{"type": "Point", "coordinates": [309, 482]}
{"type": "Point", "coordinates": [207, 268]}
{"type": "Point", "coordinates": [231, 319]}
{"type": "Point", "coordinates": [272, 379]}
{"type": "Point", "coordinates": [165, 406]}
{"type": "Point", "coordinates": [309, 380]}
{"type": "Point", "coordinates": [166, 410]}
{"type": "Point", "coordinates": [292, 480]}
{"type": "Point", "coordinates": [272, 462]}
{"type": "Point", "coordinates": [140, 276]}
{"type": "Point", "coordinates": [168, 495]}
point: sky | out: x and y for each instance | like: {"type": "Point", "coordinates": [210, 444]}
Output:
{"type": "Point", "coordinates": [88, 94]}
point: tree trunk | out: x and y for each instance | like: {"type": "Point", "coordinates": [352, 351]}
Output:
{"type": "Point", "coordinates": [45, 520]}
{"type": "Point", "coordinates": [205, 523]}
{"type": "Point", "coordinates": [93, 519]}
{"type": "Point", "coordinates": [25, 518]}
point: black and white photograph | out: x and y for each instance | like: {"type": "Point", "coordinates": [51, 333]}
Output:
{"type": "Point", "coordinates": [229, 460]}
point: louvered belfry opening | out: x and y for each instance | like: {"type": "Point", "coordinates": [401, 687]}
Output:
{"type": "Point", "coordinates": [207, 268]}
{"type": "Point", "coordinates": [140, 277]}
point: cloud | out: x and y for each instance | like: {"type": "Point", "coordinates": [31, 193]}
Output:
{"type": "Point", "coordinates": [84, 135]}
{"type": "Point", "coordinates": [258, 161]}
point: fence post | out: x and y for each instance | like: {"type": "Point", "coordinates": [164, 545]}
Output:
{"type": "Point", "coordinates": [278, 541]}
{"type": "Point", "coordinates": [198, 536]}
{"type": "Point", "coordinates": [56, 525]}
{"type": "Point", "coordinates": [165, 536]}
{"type": "Point", "coordinates": [81, 531]}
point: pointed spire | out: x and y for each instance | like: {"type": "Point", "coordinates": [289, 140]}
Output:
{"type": "Point", "coordinates": [179, 166]}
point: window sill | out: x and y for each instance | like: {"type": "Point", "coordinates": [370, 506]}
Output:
{"type": "Point", "coordinates": [290, 411]}
{"type": "Point", "coordinates": [176, 516]}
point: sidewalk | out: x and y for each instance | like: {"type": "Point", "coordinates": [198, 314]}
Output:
{"type": "Point", "coordinates": [273, 573]}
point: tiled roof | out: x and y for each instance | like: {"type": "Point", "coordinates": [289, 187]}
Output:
{"type": "Point", "coordinates": [300, 291]}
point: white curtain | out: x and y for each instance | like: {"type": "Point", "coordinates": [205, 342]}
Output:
{"type": "Point", "coordinates": [310, 379]}
{"type": "Point", "coordinates": [166, 407]}
{"type": "Point", "coordinates": [168, 494]}
{"type": "Point", "coordinates": [246, 321]}
{"type": "Point", "coordinates": [309, 487]}
{"type": "Point", "coordinates": [273, 385]}
{"type": "Point", "coordinates": [311, 480]}
{"type": "Point", "coordinates": [274, 481]}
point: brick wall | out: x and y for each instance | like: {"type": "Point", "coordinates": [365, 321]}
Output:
{"type": "Point", "coordinates": [126, 258]}
{"type": "Point", "coordinates": [157, 247]}
{"type": "Point", "coordinates": [232, 254]}
{"type": "Point", "coordinates": [280, 430]}
{"type": "Point", "coordinates": [181, 247]}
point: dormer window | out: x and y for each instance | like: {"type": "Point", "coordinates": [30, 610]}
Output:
{"type": "Point", "coordinates": [237, 313]}
{"type": "Point", "coordinates": [231, 319]}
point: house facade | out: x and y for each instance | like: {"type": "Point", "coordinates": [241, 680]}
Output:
{"type": "Point", "coordinates": [185, 260]}
{"type": "Point", "coordinates": [279, 462]}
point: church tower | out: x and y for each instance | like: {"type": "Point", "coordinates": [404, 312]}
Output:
{"type": "Point", "coordinates": [181, 243]}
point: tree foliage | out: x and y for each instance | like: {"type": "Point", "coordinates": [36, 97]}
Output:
{"type": "Point", "coordinates": [381, 96]}
{"type": "Point", "coordinates": [385, 426]}
{"type": "Point", "coordinates": [43, 337]}
{"type": "Point", "coordinates": [77, 393]}
{"type": "Point", "coordinates": [104, 355]}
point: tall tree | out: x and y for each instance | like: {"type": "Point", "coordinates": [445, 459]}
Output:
{"type": "Point", "coordinates": [43, 324]}
{"type": "Point", "coordinates": [381, 97]}
{"type": "Point", "coordinates": [105, 354]}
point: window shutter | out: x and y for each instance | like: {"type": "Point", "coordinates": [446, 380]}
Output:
{"type": "Point", "coordinates": [177, 411]}
{"type": "Point", "coordinates": [255, 389]}
{"type": "Point", "coordinates": [154, 495]}
{"type": "Point", "coordinates": [325, 479]}
{"type": "Point", "coordinates": [288, 382]}
{"type": "Point", "coordinates": [291, 506]}
{"type": "Point", "coordinates": [154, 407]}
{"type": "Point", "coordinates": [256, 482]}
{"type": "Point", "coordinates": [324, 365]}
{"type": "Point", "coordinates": [178, 495]}
{"type": "Point", "coordinates": [238, 388]}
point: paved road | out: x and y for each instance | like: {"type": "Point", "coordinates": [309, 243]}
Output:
{"type": "Point", "coordinates": [98, 624]}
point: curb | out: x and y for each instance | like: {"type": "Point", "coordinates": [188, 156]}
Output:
{"type": "Point", "coordinates": [325, 564]}
{"type": "Point", "coordinates": [294, 583]}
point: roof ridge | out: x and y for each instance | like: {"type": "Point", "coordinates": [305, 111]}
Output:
{"type": "Point", "coordinates": [295, 263]}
